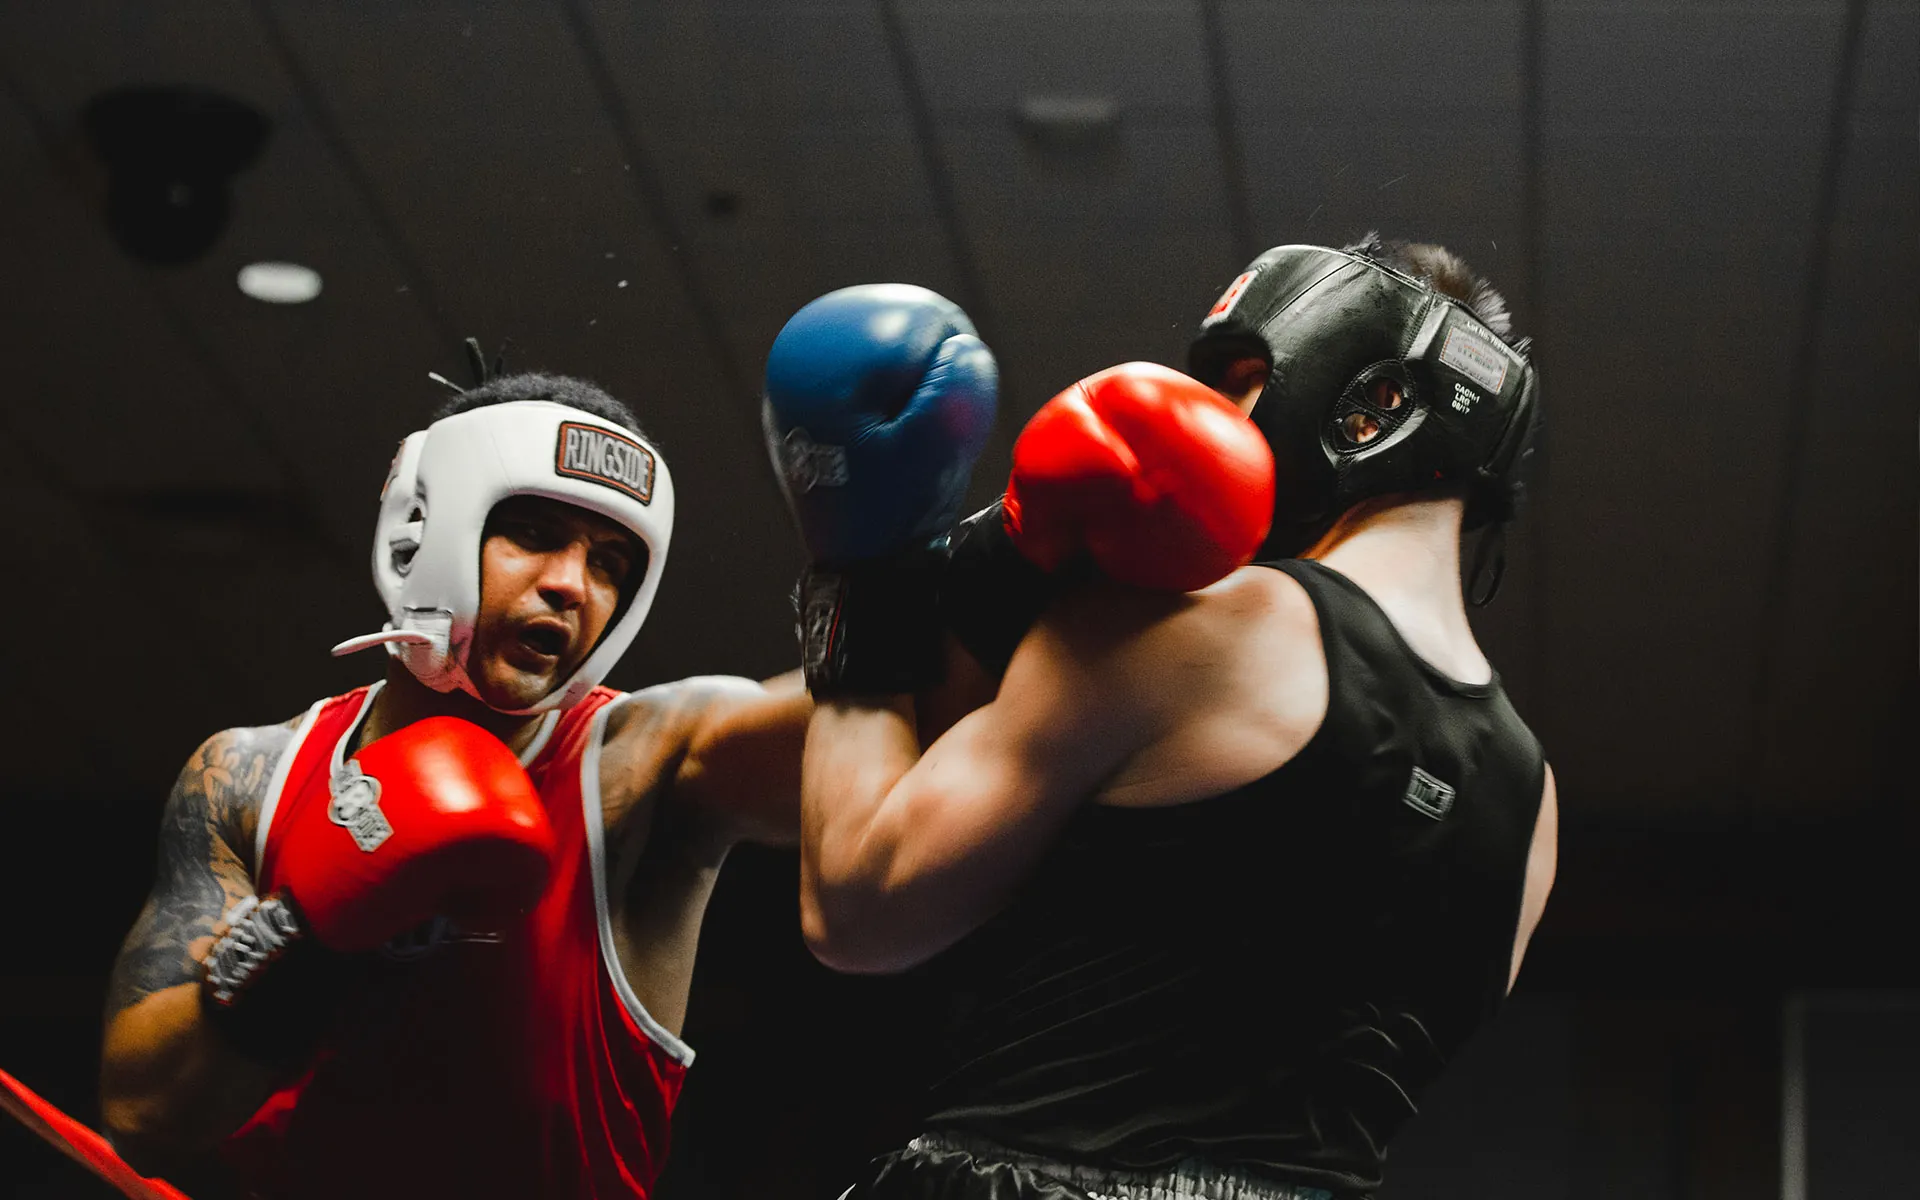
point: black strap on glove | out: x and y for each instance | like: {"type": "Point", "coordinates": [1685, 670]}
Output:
{"type": "Point", "coordinates": [990, 594]}
{"type": "Point", "coordinates": [873, 628]}
{"type": "Point", "coordinates": [269, 987]}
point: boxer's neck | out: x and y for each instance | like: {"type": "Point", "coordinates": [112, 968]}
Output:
{"type": "Point", "coordinates": [1404, 552]}
{"type": "Point", "coordinates": [405, 700]}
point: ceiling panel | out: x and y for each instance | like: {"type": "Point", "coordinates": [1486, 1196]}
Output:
{"type": "Point", "coordinates": [1666, 456]}
{"type": "Point", "coordinates": [1667, 449]}
{"type": "Point", "coordinates": [782, 149]}
{"type": "Point", "coordinates": [793, 59]}
{"type": "Point", "coordinates": [1700, 188]}
{"type": "Point", "coordinates": [120, 404]}
{"type": "Point", "coordinates": [1887, 80]}
{"type": "Point", "coordinates": [1128, 235]}
{"type": "Point", "coordinates": [986, 56]}
{"type": "Point", "coordinates": [78, 47]}
{"type": "Point", "coordinates": [1843, 654]}
{"type": "Point", "coordinates": [1454, 182]}
{"type": "Point", "coordinates": [1290, 59]}
{"type": "Point", "coordinates": [1678, 60]}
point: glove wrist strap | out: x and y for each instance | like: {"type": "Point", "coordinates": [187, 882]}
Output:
{"type": "Point", "coordinates": [991, 593]}
{"type": "Point", "coordinates": [267, 983]}
{"type": "Point", "coordinates": [873, 627]}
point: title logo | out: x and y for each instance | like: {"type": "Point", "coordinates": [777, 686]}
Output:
{"type": "Point", "coordinates": [601, 456]}
{"type": "Point", "coordinates": [808, 464]}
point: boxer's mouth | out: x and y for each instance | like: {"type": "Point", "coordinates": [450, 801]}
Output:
{"type": "Point", "coordinates": [548, 639]}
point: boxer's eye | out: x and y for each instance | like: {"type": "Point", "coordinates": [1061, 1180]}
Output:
{"type": "Point", "coordinates": [1360, 428]}
{"type": "Point", "coordinates": [1385, 395]}
{"type": "Point", "coordinates": [614, 562]}
{"type": "Point", "coordinates": [529, 535]}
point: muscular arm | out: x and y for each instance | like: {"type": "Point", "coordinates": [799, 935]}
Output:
{"type": "Point", "coordinates": [688, 770]}
{"type": "Point", "coordinates": [169, 1085]}
{"type": "Point", "coordinates": [1543, 859]}
{"type": "Point", "coordinates": [742, 766]}
{"type": "Point", "coordinates": [903, 853]}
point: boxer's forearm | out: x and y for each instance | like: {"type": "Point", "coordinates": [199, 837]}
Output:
{"type": "Point", "coordinates": [170, 1086]}
{"type": "Point", "coordinates": [856, 754]}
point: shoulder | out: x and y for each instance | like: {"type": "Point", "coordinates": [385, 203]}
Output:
{"type": "Point", "coordinates": [673, 712]}
{"type": "Point", "coordinates": [654, 730]}
{"type": "Point", "coordinates": [1256, 612]}
{"type": "Point", "coordinates": [227, 776]}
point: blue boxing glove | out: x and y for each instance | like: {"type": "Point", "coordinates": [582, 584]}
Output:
{"type": "Point", "coordinates": [879, 398]}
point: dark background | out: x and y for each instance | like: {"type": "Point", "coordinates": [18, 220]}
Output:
{"type": "Point", "coordinates": [1709, 216]}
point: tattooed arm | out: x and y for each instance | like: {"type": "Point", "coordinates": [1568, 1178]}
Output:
{"type": "Point", "coordinates": [170, 1085]}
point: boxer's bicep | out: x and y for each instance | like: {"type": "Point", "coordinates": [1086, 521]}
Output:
{"type": "Point", "coordinates": [742, 766]}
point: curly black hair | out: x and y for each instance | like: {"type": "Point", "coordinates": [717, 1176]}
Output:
{"type": "Point", "coordinates": [1445, 272]}
{"type": "Point", "coordinates": [534, 385]}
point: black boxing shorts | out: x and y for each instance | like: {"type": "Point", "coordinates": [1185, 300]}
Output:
{"type": "Point", "coordinates": [948, 1167]}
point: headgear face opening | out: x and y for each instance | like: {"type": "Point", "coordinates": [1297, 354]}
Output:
{"type": "Point", "coordinates": [445, 481]}
{"type": "Point", "coordinates": [1378, 384]}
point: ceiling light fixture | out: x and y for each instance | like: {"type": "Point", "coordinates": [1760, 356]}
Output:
{"type": "Point", "coordinates": [279, 282]}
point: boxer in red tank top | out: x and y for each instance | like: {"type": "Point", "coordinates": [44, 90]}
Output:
{"type": "Point", "coordinates": [281, 998]}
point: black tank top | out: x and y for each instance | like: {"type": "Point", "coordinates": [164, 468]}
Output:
{"type": "Point", "coordinates": [1269, 978]}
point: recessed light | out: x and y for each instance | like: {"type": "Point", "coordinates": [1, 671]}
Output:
{"type": "Point", "coordinates": [280, 282]}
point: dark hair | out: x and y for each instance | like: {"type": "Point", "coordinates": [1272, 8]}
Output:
{"type": "Point", "coordinates": [1443, 271]}
{"type": "Point", "coordinates": [560, 389]}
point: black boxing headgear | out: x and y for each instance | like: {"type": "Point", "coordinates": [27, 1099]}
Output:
{"type": "Point", "coordinates": [1377, 384]}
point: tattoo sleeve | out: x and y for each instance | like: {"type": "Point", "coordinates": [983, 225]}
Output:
{"type": "Point", "coordinates": [205, 831]}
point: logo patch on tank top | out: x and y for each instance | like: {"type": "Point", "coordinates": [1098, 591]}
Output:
{"type": "Point", "coordinates": [1428, 795]}
{"type": "Point", "coordinates": [356, 807]}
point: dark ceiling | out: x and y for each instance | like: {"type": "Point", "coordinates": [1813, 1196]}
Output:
{"type": "Point", "coordinates": [1708, 215]}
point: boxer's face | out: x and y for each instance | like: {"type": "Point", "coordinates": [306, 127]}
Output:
{"type": "Point", "coordinates": [551, 578]}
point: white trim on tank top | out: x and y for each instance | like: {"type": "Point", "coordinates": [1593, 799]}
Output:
{"type": "Point", "coordinates": [595, 820]}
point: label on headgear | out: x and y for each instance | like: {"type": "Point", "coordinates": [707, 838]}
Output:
{"type": "Point", "coordinates": [601, 456]}
{"type": "Point", "coordinates": [1229, 298]}
{"type": "Point", "coordinates": [1476, 356]}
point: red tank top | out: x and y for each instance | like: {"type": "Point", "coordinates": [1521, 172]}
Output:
{"type": "Point", "coordinates": [519, 1064]}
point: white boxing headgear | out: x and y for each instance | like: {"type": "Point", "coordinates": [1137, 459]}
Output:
{"type": "Point", "coordinates": [447, 478]}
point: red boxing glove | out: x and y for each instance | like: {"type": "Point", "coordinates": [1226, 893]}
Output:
{"type": "Point", "coordinates": [437, 819]}
{"type": "Point", "coordinates": [1155, 475]}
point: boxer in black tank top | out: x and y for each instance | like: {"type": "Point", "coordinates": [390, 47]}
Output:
{"type": "Point", "coordinates": [1215, 884]}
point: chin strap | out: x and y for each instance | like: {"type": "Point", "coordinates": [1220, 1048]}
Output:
{"type": "Point", "coordinates": [80, 1143]}
{"type": "Point", "coordinates": [1491, 548]}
